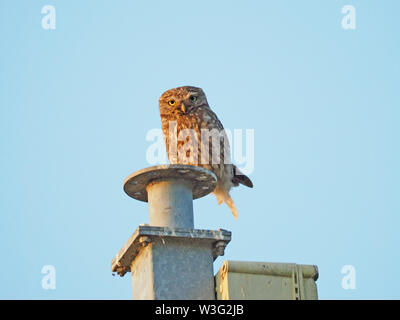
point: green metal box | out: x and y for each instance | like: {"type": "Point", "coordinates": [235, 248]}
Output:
{"type": "Point", "coordinates": [240, 280]}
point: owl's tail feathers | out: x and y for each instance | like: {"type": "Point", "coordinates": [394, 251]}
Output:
{"type": "Point", "coordinates": [229, 202]}
{"type": "Point", "coordinates": [240, 177]}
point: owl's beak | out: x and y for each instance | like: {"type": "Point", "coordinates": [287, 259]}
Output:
{"type": "Point", "coordinates": [183, 108]}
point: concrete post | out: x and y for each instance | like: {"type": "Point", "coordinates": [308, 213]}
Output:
{"type": "Point", "coordinates": [169, 259]}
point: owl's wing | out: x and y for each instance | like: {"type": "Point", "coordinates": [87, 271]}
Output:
{"type": "Point", "coordinates": [238, 176]}
{"type": "Point", "coordinates": [214, 123]}
{"type": "Point", "coordinates": [211, 122]}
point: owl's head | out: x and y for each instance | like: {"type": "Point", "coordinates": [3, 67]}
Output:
{"type": "Point", "coordinates": [182, 100]}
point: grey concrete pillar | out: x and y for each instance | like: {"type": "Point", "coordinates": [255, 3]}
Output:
{"type": "Point", "coordinates": [169, 259]}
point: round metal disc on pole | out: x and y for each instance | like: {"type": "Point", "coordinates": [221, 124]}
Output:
{"type": "Point", "coordinates": [202, 180]}
{"type": "Point", "coordinates": [169, 191]}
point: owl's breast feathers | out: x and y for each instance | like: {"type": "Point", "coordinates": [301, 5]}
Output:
{"type": "Point", "coordinates": [203, 118]}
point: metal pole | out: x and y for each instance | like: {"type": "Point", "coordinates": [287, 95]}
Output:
{"type": "Point", "coordinates": [171, 203]}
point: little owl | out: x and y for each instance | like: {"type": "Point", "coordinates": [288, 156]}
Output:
{"type": "Point", "coordinates": [194, 136]}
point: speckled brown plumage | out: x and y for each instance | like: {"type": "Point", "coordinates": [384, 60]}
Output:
{"type": "Point", "coordinates": [187, 108]}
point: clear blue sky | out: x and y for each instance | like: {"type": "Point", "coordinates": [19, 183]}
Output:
{"type": "Point", "coordinates": [76, 104]}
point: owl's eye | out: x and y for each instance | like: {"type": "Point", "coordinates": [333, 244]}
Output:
{"type": "Point", "coordinates": [193, 98]}
{"type": "Point", "coordinates": [171, 102]}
